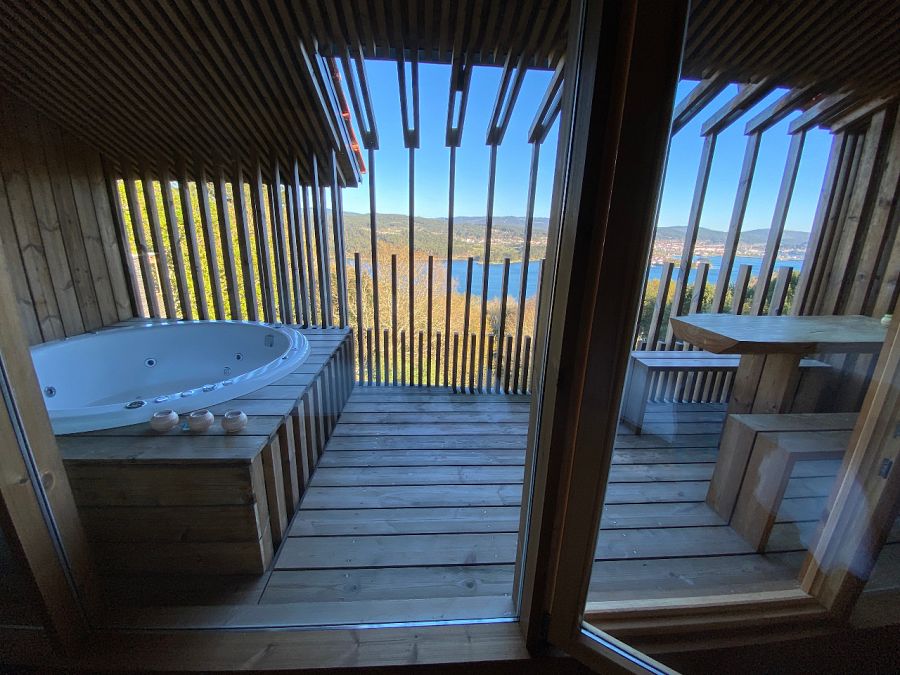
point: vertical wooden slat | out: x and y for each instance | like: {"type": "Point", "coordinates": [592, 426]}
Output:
{"type": "Point", "coordinates": [321, 246]}
{"type": "Point", "coordinates": [471, 366]}
{"type": "Point", "coordinates": [394, 318]}
{"type": "Point", "coordinates": [437, 356]}
{"type": "Point", "coordinates": [209, 238]}
{"type": "Point", "coordinates": [403, 380]}
{"type": "Point", "coordinates": [181, 282]}
{"type": "Point", "coordinates": [685, 382]}
{"type": "Point", "coordinates": [359, 314]}
{"type": "Point", "coordinates": [108, 210]}
{"type": "Point", "coordinates": [295, 249]}
{"type": "Point", "coordinates": [263, 259]}
{"type": "Point", "coordinates": [748, 170]}
{"type": "Point", "coordinates": [693, 227]}
{"type": "Point", "coordinates": [504, 290]}
{"type": "Point", "coordinates": [198, 278]}
{"type": "Point", "coordinates": [468, 303]}
{"type": "Point", "coordinates": [741, 285]}
{"type": "Point", "coordinates": [226, 236]}
{"type": "Point", "coordinates": [779, 294]}
{"type": "Point", "coordinates": [492, 364]}
{"type": "Point", "coordinates": [245, 244]}
{"type": "Point", "coordinates": [411, 282]}
{"type": "Point", "coordinates": [486, 262]}
{"type": "Point", "coordinates": [337, 230]}
{"type": "Point", "coordinates": [449, 289]}
{"type": "Point", "coordinates": [428, 319]}
{"type": "Point", "coordinates": [420, 355]}
{"type": "Point", "coordinates": [782, 204]}
{"type": "Point", "coordinates": [455, 358]}
{"type": "Point", "coordinates": [162, 259]}
{"type": "Point", "coordinates": [659, 309]}
{"type": "Point", "coordinates": [140, 241]}
{"type": "Point", "coordinates": [818, 234]}
{"type": "Point", "coordinates": [325, 257]}
{"type": "Point", "coordinates": [369, 356]}
{"type": "Point", "coordinates": [283, 274]}
{"type": "Point", "coordinates": [387, 356]}
{"type": "Point", "coordinates": [308, 227]}
{"type": "Point", "coordinates": [300, 263]}
{"type": "Point", "coordinates": [373, 241]}
{"type": "Point", "coordinates": [508, 353]}
{"type": "Point", "coordinates": [526, 362]}
{"type": "Point", "coordinates": [526, 259]}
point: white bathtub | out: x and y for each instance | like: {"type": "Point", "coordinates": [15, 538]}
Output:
{"type": "Point", "coordinates": [121, 376]}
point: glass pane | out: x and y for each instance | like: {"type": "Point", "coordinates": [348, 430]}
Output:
{"type": "Point", "coordinates": [748, 380]}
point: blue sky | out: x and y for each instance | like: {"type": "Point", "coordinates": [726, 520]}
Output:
{"type": "Point", "coordinates": [514, 156]}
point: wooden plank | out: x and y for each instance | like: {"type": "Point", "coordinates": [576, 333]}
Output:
{"type": "Point", "coordinates": [245, 244]}
{"type": "Point", "coordinates": [226, 238]}
{"type": "Point", "coordinates": [462, 519]}
{"type": "Point", "coordinates": [186, 310]}
{"type": "Point", "coordinates": [419, 475]}
{"type": "Point", "coordinates": [398, 550]}
{"type": "Point", "coordinates": [416, 458]}
{"type": "Point", "coordinates": [453, 417]}
{"type": "Point", "coordinates": [372, 584]}
{"type": "Point", "coordinates": [143, 252]}
{"type": "Point", "coordinates": [218, 523]}
{"type": "Point", "coordinates": [411, 496]}
{"type": "Point", "coordinates": [449, 428]}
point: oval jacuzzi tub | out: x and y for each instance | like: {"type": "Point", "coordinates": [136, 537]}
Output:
{"type": "Point", "coordinates": [122, 376]}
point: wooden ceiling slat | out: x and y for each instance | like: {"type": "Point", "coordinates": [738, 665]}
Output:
{"type": "Point", "coordinates": [152, 83]}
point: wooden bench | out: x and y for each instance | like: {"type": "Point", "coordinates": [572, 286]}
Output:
{"type": "Point", "coordinates": [771, 463]}
{"type": "Point", "coordinates": [644, 364]}
{"type": "Point", "coordinates": [737, 444]}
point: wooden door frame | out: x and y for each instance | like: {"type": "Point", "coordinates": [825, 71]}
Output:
{"type": "Point", "coordinates": [623, 67]}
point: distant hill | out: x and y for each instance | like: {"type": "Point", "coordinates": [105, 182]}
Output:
{"type": "Point", "coordinates": [758, 237]}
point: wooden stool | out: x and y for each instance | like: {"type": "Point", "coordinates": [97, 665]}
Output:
{"type": "Point", "coordinates": [771, 463]}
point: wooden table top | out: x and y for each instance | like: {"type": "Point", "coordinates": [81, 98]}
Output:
{"type": "Point", "coordinates": [743, 334]}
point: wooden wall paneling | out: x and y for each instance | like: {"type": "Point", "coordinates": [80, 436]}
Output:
{"type": "Point", "coordinates": [198, 278]}
{"type": "Point", "coordinates": [890, 279]}
{"type": "Point", "coordinates": [882, 203]}
{"type": "Point", "coordinates": [739, 210]}
{"type": "Point", "coordinates": [782, 204]}
{"type": "Point", "coordinates": [77, 231]}
{"type": "Point", "coordinates": [186, 310]}
{"type": "Point", "coordinates": [245, 244]}
{"type": "Point", "coordinates": [151, 297]}
{"type": "Point", "coordinates": [693, 227]}
{"type": "Point", "coordinates": [211, 245]}
{"type": "Point", "coordinates": [111, 223]}
{"type": "Point", "coordinates": [226, 236]}
{"type": "Point", "coordinates": [853, 225]}
{"type": "Point", "coordinates": [263, 258]}
{"type": "Point", "coordinates": [159, 246]}
{"type": "Point", "coordinates": [843, 182]}
{"type": "Point", "coordinates": [466, 313]}
{"type": "Point", "coordinates": [9, 242]}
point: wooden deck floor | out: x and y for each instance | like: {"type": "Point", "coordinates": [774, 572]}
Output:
{"type": "Point", "coordinates": [413, 514]}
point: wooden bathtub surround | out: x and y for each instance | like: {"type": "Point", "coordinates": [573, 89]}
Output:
{"type": "Point", "coordinates": [216, 502]}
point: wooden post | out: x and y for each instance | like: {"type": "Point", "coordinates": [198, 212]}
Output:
{"type": "Point", "coordinates": [245, 243]}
